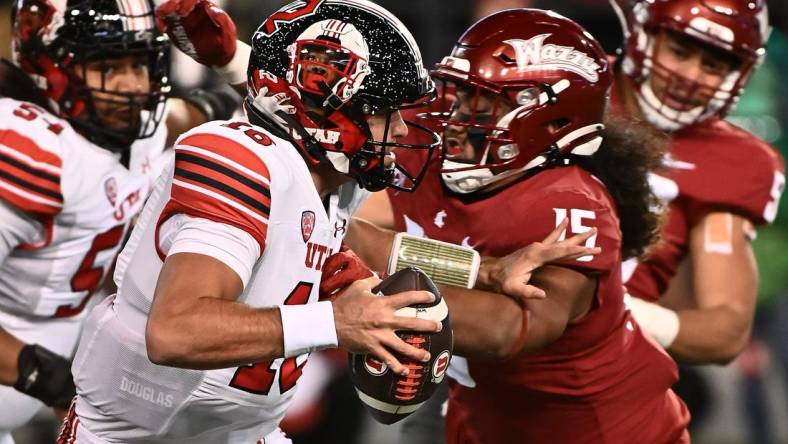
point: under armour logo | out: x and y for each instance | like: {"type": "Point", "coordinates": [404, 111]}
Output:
{"type": "Point", "coordinates": [342, 228]}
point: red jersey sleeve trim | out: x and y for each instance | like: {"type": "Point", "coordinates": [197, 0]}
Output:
{"type": "Point", "coordinates": [29, 175]}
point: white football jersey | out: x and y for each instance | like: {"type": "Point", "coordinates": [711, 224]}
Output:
{"type": "Point", "coordinates": [84, 198]}
{"type": "Point", "coordinates": [226, 174]}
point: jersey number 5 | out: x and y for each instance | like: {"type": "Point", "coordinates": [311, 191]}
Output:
{"type": "Point", "coordinates": [258, 378]}
{"type": "Point", "coordinates": [577, 225]}
{"type": "Point", "coordinates": [88, 276]}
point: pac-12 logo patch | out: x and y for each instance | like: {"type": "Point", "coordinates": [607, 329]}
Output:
{"type": "Point", "coordinates": [307, 224]}
{"type": "Point", "coordinates": [111, 189]}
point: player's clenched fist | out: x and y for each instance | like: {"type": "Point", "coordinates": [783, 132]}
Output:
{"type": "Point", "coordinates": [200, 29]}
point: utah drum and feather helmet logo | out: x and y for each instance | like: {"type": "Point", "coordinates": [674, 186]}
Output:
{"type": "Point", "coordinates": [307, 224]}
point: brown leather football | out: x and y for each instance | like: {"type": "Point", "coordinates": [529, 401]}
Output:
{"type": "Point", "coordinates": [391, 397]}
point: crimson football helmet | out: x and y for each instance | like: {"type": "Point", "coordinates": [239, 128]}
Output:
{"type": "Point", "coordinates": [52, 37]}
{"type": "Point", "coordinates": [737, 27]}
{"type": "Point", "coordinates": [550, 80]}
{"type": "Point", "coordinates": [332, 64]}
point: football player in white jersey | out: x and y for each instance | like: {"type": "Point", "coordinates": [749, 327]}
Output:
{"type": "Point", "coordinates": [80, 147]}
{"type": "Point", "coordinates": [218, 305]}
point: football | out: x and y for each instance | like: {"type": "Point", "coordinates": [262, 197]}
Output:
{"type": "Point", "coordinates": [390, 397]}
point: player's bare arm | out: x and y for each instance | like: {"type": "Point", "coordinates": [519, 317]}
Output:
{"type": "Point", "coordinates": [196, 323]}
{"type": "Point", "coordinates": [724, 283]}
{"type": "Point", "coordinates": [510, 274]}
{"type": "Point", "coordinates": [10, 347]}
{"type": "Point", "coordinates": [494, 327]}
{"type": "Point", "coordinates": [371, 242]}
{"type": "Point", "coordinates": [377, 210]}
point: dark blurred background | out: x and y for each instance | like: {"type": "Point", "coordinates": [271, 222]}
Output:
{"type": "Point", "coordinates": [744, 402]}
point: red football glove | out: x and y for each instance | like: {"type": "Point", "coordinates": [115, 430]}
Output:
{"type": "Point", "coordinates": [200, 29]}
{"type": "Point", "coordinates": [340, 270]}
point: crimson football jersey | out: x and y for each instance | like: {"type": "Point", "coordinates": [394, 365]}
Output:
{"type": "Point", "coordinates": [711, 166]}
{"type": "Point", "coordinates": [603, 373]}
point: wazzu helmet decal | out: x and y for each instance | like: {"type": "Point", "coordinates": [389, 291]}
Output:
{"type": "Point", "coordinates": [352, 59]}
{"type": "Point", "coordinates": [550, 80]}
{"type": "Point", "coordinates": [534, 55]}
{"type": "Point", "coordinates": [52, 37]}
{"type": "Point", "coordinates": [737, 27]}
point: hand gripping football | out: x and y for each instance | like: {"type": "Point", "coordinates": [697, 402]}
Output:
{"type": "Point", "coordinates": [391, 397]}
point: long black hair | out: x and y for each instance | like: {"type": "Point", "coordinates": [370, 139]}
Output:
{"type": "Point", "coordinates": [629, 151]}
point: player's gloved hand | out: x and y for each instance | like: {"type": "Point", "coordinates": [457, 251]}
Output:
{"type": "Point", "coordinates": [273, 96]}
{"type": "Point", "coordinates": [200, 29]}
{"type": "Point", "coordinates": [339, 271]}
{"type": "Point", "coordinates": [510, 274]}
{"type": "Point", "coordinates": [45, 376]}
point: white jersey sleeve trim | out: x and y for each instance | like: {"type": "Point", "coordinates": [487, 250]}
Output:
{"type": "Point", "coordinates": [230, 245]}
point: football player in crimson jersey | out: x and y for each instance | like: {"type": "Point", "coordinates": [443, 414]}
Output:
{"type": "Point", "coordinates": [80, 146]}
{"type": "Point", "coordinates": [524, 148]}
{"type": "Point", "coordinates": [218, 305]}
{"type": "Point", "coordinates": [684, 64]}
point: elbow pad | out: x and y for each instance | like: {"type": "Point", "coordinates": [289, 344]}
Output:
{"type": "Point", "coordinates": [216, 104]}
{"type": "Point", "coordinates": [45, 376]}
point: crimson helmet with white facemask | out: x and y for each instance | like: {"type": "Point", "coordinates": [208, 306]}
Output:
{"type": "Point", "coordinates": [550, 81]}
{"type": "Point", "coordinates": [738, 28]}
{"type": "Point", "coordinates": [320, 69]}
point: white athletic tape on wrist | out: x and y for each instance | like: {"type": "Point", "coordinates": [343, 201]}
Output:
{"type": "Point", "coordinates": [661, 323]}
{"type": "Point", "coordinates": [235, 71]}
{"type": "Point", "coordinates": [444, 263]}
{"type": "Point", "coordinates": [307, 328]}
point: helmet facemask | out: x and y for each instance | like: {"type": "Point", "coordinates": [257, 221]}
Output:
{"type": "Point", "coordinates": [667, 97]}
{"type": "Point", "coordinates": [670, 101]}
{"type": "Point", "coordinates": [55, 48]}
{"type": "Point", "coordinates": [479, 149]}
{"type": "Point", "coordinates": [118, 118]}
{"type": "Point", "coordinates": [329, 61]}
